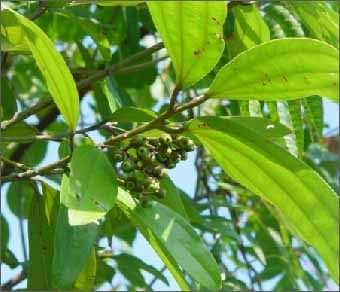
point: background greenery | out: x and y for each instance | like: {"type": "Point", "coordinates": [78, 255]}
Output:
{"type": "Point", "coordinates": [248, 237]}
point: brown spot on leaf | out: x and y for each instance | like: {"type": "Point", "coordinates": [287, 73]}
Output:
{"type": "Point", "coordinates": [197, 52]}
{"type": "Point", "coordinates": [284, 78]}
{"type": "Point", "coordinates": [202, 125]}
{"type": "Point", "coordinates": [335, 83]}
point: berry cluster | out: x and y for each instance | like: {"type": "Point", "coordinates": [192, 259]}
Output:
{"type": "Point", "coordinates": [143, 160]}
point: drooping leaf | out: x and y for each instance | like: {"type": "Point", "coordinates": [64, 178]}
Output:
{"type": "Point", "coordinates": [295, 111]}
{"type": "Point", "coordinates": [86, 278]}
{"type": "Point", "coordinates": [91, 190]}
{"type": "Point", "coordinates": [307, 202]}
{"type": "Point", "coordinates": [57, 76]}
{"type": "Point", "coordinates": [72, 247]}
{"type": "Point", "coordinates": [192, 34]}
{"type": "Point", "coordinates": [19, 198]}
{"type": "Point", "coordinates": [8, 105]}
{"type": "Point", "coordinates": [174, 240]}
{"type": "Point", "coordinates": [133, 114]}
{"type": "Point", "coordinates": [172, 198]}
{"type": "Point", "coordinates": [249, 29]}
{"type": "Point", "coordinates": [282, 69]}
{"type": "Point", "coordinates": [314, 115]}
{"type": "Point", "coordinates": [131, 267]}
{"type": "Point", "coordinates": [321, 21]}
{"type": "Point", "coordinates": [40, 233]}
{"type": "Point", "coordinates": [93, 30]}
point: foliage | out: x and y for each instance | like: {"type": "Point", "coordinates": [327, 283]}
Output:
{"type": "Point", "coordinates": [100, 98]}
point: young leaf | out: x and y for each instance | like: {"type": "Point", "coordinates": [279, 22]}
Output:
{"type": "Point", "coordinates": [309, 205]}
{"type": "Point", "coordinates": [132, 114]}
{"type": "Point", "coordinates": [174, 240]}
{"type": "Point", "coordinates": [91, 190]}
{"type": "Point", "coordinates": [280, 69]}
{"type": "Point", "coordinates": [58, 78]}
{"type": "Point", "coordinates": [72, 247]}
{"type": "Point", "coordinates": [192, 34]}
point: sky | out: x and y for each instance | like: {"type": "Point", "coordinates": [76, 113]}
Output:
{"type": "Point", "coordinates": [184, 176]}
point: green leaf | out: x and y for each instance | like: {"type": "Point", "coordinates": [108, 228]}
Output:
{"type": "Point", "coordinates": [192, 34]}
{"type": "Point", "coordinates": [58, 78]}
{"type": "Point", "coordinates": [131, 114]}
{"type": "Point", "coordinates": [172, 198]}
{"type": "Point", "coordinates": [12, 35]}
{"type": "Point", "coordinates": [314, 115]}
{"type": "Point", "coordinates": [19, 198]}
{"type": "Point", "coordinates": [131, 267]}
{"type": "Point", "coordinates": [321, 21]}
{"type": "Point", "coordinates": [91, 190]}
{"type": "Point", "coordinates": [92, 29]}
{"type": "Point", "coordinates": [108, 2]}
{"type": "Point", "coordinates": [249, 29]}
{"type": "Point", "coordinates": [281, 69]}
{"type": "Point", "coordinates": [304, 198]}
{"type": "Point", "coordinates": [295, 111]}
{"type": "Point", "coordinates": [8, 104]}
{"type": "Point", "coordinates": [174, 240]}
{"type": "Point", "coordinates": [87, 276]}
{"type": "Point", "coordinates": [40, 233]}
{"type": "Point", "coordinates": [72, 247]}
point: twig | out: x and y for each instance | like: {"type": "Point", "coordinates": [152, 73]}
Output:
{"type": "Point", "coordinates": [153, 281]}
{"type": "Point", "coordinates": [35, 172]}
{"type": "Point", "coordinates": [14, 281]}
{"type": "Point", "coordinates": [156, 122]}
{"type": "Point", "coordinates": [119, 67]}
{"type": "Point", "coordinates": [40, 11]}
{"type": "Point", "coordinates": [14, 163]}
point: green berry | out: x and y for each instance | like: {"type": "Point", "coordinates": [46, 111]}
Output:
{"type": "Point", "coordinates": [143, 152]}
{"type": "Point", "coordinates": [118, 155]}
{"type": "Point", "coordinates": [171, 165]}
{"type": "Point", "coordinates": [137, 140]}
{"type": "Point", "coordinates": [184, 155]}
{"type": "Point", "coordinates": [128, 165]}
{"type": "Point", "coordinates": [160, 194]}
{"type": "Point", "coordinates": [161, 157]}
{"type": "Point", "coordinates": [183, 142]}
{"type": "Point", "coordinates": [165, 139]}
{"type": "Point", "coordinates": [158, 172]}
{"type": "Point", "coordinates": [190, 146]}
{"type": "Point", "coordinates": [130, 185]}
{"type": "Point", "coordinates": [175, 157]}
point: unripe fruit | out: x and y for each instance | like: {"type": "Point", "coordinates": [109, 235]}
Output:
{"type": "Point", "coordinates": [143, 152]}
{"type": "Point", "coordinates": [137, 140]}
{"type": "Point", "coordinates": [175, 157]}
{"type": "Point", "coordinates": [128, 165]}
{"type": "Point", "coordinates": [161, 157]}
{"type": "Point", "coordinates": [118, 155]}
{"type": "Point", "coordinates": [160, 194]}
{"type": "Point", "coordinates": [190, 146]}
{"type": "Point", "coordinates": [171, 165]}
{"type": "Point", "coordinates": [130, 185]}
{"type": "Point", "coordinates": [184, 155]}
{"type": "Point", "coordinates": [182, 141]}
{"type": "Point", "coordinates": [165, 139]}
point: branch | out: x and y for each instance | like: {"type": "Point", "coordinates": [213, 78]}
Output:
{"type": "Point", "coordinates": [158, 122]}
{"type": "Point", "coordinates": [119, 67]}
{"type": "Point", "coordinates": [14, 281]}
{"type": "Point", "coordinates": [42, 8]}
{"type": "Point", "coordinates": [35, 172]}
